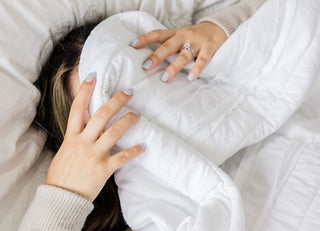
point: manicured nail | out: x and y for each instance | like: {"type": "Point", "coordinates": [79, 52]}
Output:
{"type": "Point", "coordinates": [134, 43]}
{"type": "Point", "coordinates": [143, 146]}
{"type": "Point", "coordinates": [129, 91]}
{"type": "Point", "coordinates": [165, 77]}
{"type": "Point", "coordinates": [147, 64]}
{"type": "Point", "coordinates": [137, 112]}
{"type": "Point", "coordinates": [191, 76]}
{"type": "Point", "coordinates": [90, 77]}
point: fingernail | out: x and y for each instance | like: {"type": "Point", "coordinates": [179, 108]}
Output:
{"type": "Point", "coordinates": [165, 77]}
{"type": "Point", "coordinates": [134, 43]}
{"type": "Point", "coordinates": [137, 112]}
{"type": "Point", "coordinates": [90, 77]}
{"type": "Point", "coordinates": [129, 91]}
{"type": "Point", "coordinates": [191, 76]}
{"type": "Point", "coordinates": [147, 64]}
{"type": "Point", "coordinates": [143, 146]}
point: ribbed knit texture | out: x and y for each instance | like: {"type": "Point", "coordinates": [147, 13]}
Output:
{"type": "Point", "coordinates": [55, 209]}
{"type": "Point", "coordinates": [229, 19]}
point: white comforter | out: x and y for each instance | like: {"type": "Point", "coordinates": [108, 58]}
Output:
{"type": "Point", "coordinates": [257, 80]}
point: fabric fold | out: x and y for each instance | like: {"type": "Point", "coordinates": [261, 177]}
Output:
{"type": "Point", "coordinates": [251, 87]}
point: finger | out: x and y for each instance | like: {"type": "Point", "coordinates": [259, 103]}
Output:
{"type": "Point", "coordinates": [168, 48]}
{"type": "Point", "coordinates": [155, 36]}
{"type": "Point", "coordinates": [184, 57]}
{"type": "Point", "coordinates": [110, 137]}
{"type": "Point", "coordinates": [102, 116]}
{"type": "Point", "coordinates": [118, 160]}
{"type": "Point", "coordinates": [86, 119]}
{"type": "Point", "coordinates": [203, 58]}
{"type": "Point", "coordinates": [79, 107]}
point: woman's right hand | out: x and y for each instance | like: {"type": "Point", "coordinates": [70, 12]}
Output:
{"type": "Point", "coordinates": [83, 163]}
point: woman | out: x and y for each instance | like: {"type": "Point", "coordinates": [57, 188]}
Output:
{"type": "Point", "coordinates": [83, 163]}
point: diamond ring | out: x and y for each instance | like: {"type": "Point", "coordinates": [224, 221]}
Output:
{"type": "Point", "coordinates": [187, 46]}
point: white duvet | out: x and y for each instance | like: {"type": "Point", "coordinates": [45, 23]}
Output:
{"type": "Point", "coordinates": [277, 177]}
{"type": "Point", "coordinates": [256, 81]}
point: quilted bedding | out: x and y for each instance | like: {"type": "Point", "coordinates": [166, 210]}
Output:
{"type": "Point", "coordinates": [251, 92]}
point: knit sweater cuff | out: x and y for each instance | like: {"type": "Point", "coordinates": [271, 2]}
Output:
{"type": "Point", "coordinates": [229, 19]}
{"type": "Point", "coordinates": [54, 208]}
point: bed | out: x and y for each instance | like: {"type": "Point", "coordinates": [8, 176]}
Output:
{"type": "Point", "coordinates": [277, 177]}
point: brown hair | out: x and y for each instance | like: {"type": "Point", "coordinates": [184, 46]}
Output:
{"type": "Point", "coordinates": [52, 115]}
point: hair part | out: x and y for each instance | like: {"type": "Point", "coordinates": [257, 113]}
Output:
{"type": "Point", "coordinates": [52, 116]}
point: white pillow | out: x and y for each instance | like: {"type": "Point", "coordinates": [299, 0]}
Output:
{"type": "Point", "coordinates": [27, 27]}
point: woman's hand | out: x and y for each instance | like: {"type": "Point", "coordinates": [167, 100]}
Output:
{"type": "Point", "coordinates": [205, 39]}
{"type": "Point", "coordinates": [83, 163]}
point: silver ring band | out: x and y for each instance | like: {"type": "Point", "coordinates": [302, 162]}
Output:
{"type": "Point", "coordinates": [187, 46]}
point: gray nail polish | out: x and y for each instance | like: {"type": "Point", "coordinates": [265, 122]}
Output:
{"type": "Point", "coordinates": [129, 91]}
{"type": "Point", "coordinates": [147, 64]}
{"type": "Point", "coordinates": [165, 77]}
{"type": "Point", "coordinates": [143, 146]}
{"type": "Point", "coordinates": [134, 43]}
{"type": "Point", "coordinates": [191, 76]}
{"type": "Point", "coordinates": [137, 112]}
{"type": "Point", "coordinates": [90, 77]}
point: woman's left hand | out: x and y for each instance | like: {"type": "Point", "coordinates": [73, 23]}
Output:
{"type": "Point", "coordinates": [83, 162]}
{"type": "Point", "coordinates": [205, 38]}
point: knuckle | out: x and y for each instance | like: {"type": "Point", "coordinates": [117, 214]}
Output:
{"type": "Point", "coordinates": [104, 112]}
{"type": "Point", "coordinates": [158, 31]}
{"type": "Point", "coordinates": [155, 33]}
{"type": "Point", "coordinates": [211, 41]}
{"type": "Point", "coordinates": [203, 59]}
{"type": "Point", "coordinates": [166, 46]}
{"type": "Point", "coordinates": [85, 86]}
{"type": "Point", "coordinates": [130, 116]}
{"type": "Point", "coordinates": [121, 97]}
{"type": "Point", "coordinates": [126, 156]}
{"type": "Point", "coordinates": [114, 131]}
{"type": "Point", "coordinates": [216, 40]}
{"type": "Point", "coordinates": [77, 145]}
{"type": "Point", "coordinates": [136, 150]}
{"type": "Point", "coordinates": [143, 40]}
{"type": "Point", "coordinates": [185, 56]}
{"type": "Point", "coordinates": [196, 69]}
{"type": "Point", "coordinates": [172, 68]}
{"type": "Point", "coordinates": [186, 31]}
{"type": "Point", "coordinates": [155, 57]}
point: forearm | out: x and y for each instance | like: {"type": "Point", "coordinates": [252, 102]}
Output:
{"type": "Point", "coordinates": [56, 209]}
{"type": "Point", "coordinates": [229, 19]}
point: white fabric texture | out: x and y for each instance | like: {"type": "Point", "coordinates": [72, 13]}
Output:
{"type": "Point", "coordinates": [279, 177]}
{"type": "Point", "coordinates": [28, 31]}
{"type": "Point", "coordinates": [252, 86]}
{"type": "Point", "coordinates": [286, 189]}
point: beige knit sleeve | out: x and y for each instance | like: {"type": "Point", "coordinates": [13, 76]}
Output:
{"type": "Point", "coordinates": [229, 19]}
{"type": "Point", "coordinates": [55, 209]}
